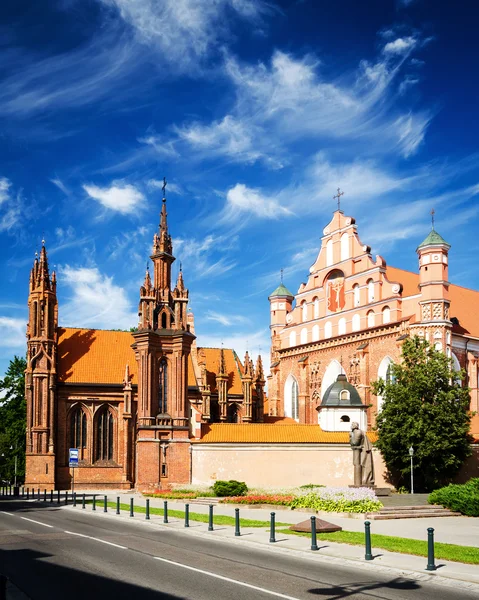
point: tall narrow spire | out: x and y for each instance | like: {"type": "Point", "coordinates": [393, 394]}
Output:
{"type": "Point", "coordinates": [222, 364]}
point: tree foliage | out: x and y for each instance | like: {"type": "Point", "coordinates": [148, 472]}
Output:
{"type": "Point", "coordinates": [13, 420]}
{"type": "Point", "coordinates": [426, 407]}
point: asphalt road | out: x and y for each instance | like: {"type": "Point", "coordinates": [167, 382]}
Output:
{"type": "Point", "coordinates": [52, 553]}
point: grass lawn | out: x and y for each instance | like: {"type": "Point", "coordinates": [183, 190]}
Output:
{"type": "Point", "coordinates": [464, 554]}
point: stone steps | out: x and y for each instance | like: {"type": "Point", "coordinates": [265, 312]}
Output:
{"type": "Point", "coordinates": [411, 512]}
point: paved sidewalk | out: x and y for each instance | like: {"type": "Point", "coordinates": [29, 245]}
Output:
{"type": "Point", "coordinates": [457, 530]}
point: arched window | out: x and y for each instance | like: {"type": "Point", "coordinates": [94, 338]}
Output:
{"type": "Point", "coordinates": [233, 413]}
{"type": "Point", "coordinates": [356, 322]}
{"type": "Point", "coordinates": [345, 419]}
{"type": "Point", "coordinates": [329, 253]}
{"type": "Point", "coordinates": [304, 311]}
{"type": "Point", "coordinates": [163, 320]}
{"type": "Point", "coordinates": [316, 308]}
{"type": "Point", "coordinates": [371, 318]}
{"type": "Point", "coordinates": [104, 435]}
{"type": "Point", "coordinates": [304, 335]}
{"type": "Point", "coordinates": [356, 295]}
{"type": "Point", "coordinates": [386, 315]}
{"type": "Point", "coordinates": [78, 429]}
{"type": "Point", "coordinates": [384, 373]}
{"type": "Point", "coordinates": [342, 326]}
{"type": "Point", "coordinates": [292, 338]}
{"type": "Point", "coordinates": [370, 290]}
{"type": "Point", "coordinates": [328, 330]}
{"type": "Point", "coordinates": [315, 333]}
{"type": "Point", "coordinates": [344, 395]}
{"type": "Point", "coordinates": [35, 320]}
{"type": "Point", "coordinates": [291, 398]}
{"type": "Point", "coordinates": [163, 387]}
{"type": "Point", "coordinates": [344, 246]}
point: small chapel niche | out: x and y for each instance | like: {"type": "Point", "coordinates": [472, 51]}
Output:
{"type": "Point", "coordinates": [345, 419]}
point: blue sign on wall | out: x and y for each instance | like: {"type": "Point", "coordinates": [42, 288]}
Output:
{"type": "Point", "coordinates": [73, 457]}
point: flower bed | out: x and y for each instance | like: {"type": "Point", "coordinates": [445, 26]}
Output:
{"type": "Point", "coordinates": [352, 500]}
{"type": "Point", "coordinates": [176, 494]}
{"type": "Point", "coordinates": [277, 499]}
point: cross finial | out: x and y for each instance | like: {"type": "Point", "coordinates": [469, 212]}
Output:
{"type": "Point", "coordinates": [433, 212]}
{"type": "Point", "coordinates": [181, 267]}
{"type": "Point", "coordinates": [281, 276]}
{"type": "Point", "coordinates": [163, 187]}
{"type": "Point", "coordinates": [338, 198]}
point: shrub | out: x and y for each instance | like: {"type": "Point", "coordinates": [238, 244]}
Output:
{"type": "Point", "coordinates": [311, 486]}
{"type": "Point", "coordinates": [357, 500]}
{"type": "Point", "coordinates": [230, 488]}
{"type": "Point", "coordinates": [459, 498]}
{"type": "Point", "coordinates": [278, 499]}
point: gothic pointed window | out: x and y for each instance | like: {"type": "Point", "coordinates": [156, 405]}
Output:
{"type": "Point", "coordinates": [370, 290]}
{"type": "Point", "coordinates": [78, 429]}
{"type": "Point", "coordinates": [291, 398]}
{"type": "Point", "coordinates": [163, 387]}
{"type": "Point", "coordinates": [104, 435]}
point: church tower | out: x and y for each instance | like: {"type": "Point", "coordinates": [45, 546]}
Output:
{"type": "Point", "coordinates": [40, 375]}
{"type": "Point", "coordinates": [434, 287]}
{"type": "Point", "coordinates": [162, 349]}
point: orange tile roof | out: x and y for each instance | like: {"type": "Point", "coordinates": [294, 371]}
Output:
{"type": "Point", "coordinates": [263, 433]}
{"type": "Point", "coordinates": [211, 357]}
{"type": "Point", "coordinates": [191, 373]}
{"type": "Point", "coordinates": [464, 301]}
{"type": "Point", "coordinates": [95, 356]}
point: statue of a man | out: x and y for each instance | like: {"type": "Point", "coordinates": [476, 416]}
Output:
{"type": "Point", "coordinates": [362, 456]}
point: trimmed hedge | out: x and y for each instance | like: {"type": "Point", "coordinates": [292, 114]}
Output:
{"type": "Point", "coordinates": [459, 498]}
{"type": "Point", "coordinates": [230, 488]}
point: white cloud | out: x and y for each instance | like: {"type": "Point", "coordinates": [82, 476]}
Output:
{"type": "Point", "coordinates": [61, 186]}
{"type": "Point", "coordinates": [411, 130]}
{"type": "Point", "coordinates": [401, 45]}
{"type": "Point", "coordinates": [123, 198]}
{"type": "Point", "coordinates": [171, 188]}
{"type": "Point", "coordinates": [241, 199]}
{"type": "Point", "coordinates": [203, 258]}
{"type": "Point", "coordinates": [95, 300]}
{"type": "Point", "coordinates": [12, 332]}
{"type": "Point", "coordinates": [5, 185]}
{"type": "Point", "coordinates": [186, 32]}
{"type": "Point", "coordinates": [226, 320]}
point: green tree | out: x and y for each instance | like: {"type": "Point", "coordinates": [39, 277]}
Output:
{"type": "Point", "coordinates": [13, 421]}
{"type": "Point", "coordinates": [426, 407]}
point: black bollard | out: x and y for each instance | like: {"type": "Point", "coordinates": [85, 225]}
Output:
{"type": "Point", "coordinates": [147, 509]}
{"type": "Point", "coordinates": [430, 550]}
{"type": "Point", "coordinates": [38, 495]}
{"type": "Point", "coordinates": [51, 496]}
{"type": "Point", "coordinates": [66, 498]}
{"type": "Point", "coordinates": [118, 505]}
{"type": "Point", "coordinates": [237, 522]}
{"type": "Point", "coordinates": [23, 492]}
{"type": "Point", "coordinates": [314, 544]}
{"type": "Point", "coordinates": [83, 501]}
{"type": "Point", "coordinates": [44, 495]}
{"type": "Point", "coordinates": [210, 518]}
{"type": "Point", "coordinates": [272, 537]}
{"type": "Point", "coordinates": [131, 508]}
{"type": "Point", "coordinates": [58, 497]}
{"type": "Point", "coordinates": [187, 515]}
{"type": "Point", "coordinates": [74, 498]}
{"type": "Point", "coordinates": [165, 512]}
{"type": "Point", "coordinates": [367, 534]}
{"type": "Point", "coordinates": [105, 503]}
{"type": "Point", "coordinates": [28, 493]}
{"type": "Point", "coordinates": [93, 506]}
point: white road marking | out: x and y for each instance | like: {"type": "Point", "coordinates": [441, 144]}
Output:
{"type": "Point", "coordinates": [96, 539]}
{"type": "Point", "coordinates": [4, 512]}
{"type": "Point", "coordinates": [242, 583]}
{"type": "Point", "coordinates": [37, 522]}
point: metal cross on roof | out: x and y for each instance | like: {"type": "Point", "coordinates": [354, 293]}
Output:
{"type": "Point", "coordinates": [433, 212]}
{"type": "Point", "coordinates": [281, 276]}
{"type": "Point", "coordinates": [338, 198]}
{"type": "Point", "coordinates": [163, 187]}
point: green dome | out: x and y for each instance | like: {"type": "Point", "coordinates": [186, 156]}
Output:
{"type": "Point", "coordinates": [281, 290]}
{"type": "Point", "coordinates": [434, 239]}
{"type": "Point", "coordinates": [334, 397]}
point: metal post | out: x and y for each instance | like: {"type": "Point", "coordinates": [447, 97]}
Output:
{"type": "Point", "coordinates": [165, 512]}
{"type": "Point", "coordinates": [314, 544]}
{"type": "Point", "coordinates": [430, 550]}
{"type": "Point", "coordinates": [131, 508]}
{"type": "Point", "coordinates": [210, 518]}
{"type": "Point", "coordinates": [118, 505]}
{"type": "Point", "coordinates": [412, 476]}
{"type": "Point", "coordinates": [237, 522]}
{"type": "Point", "coordinates": [38, 495]}
{"type": "Point", "coordinates": [93, 507]}
{"type": "Point", "coordinates": [83, 501]}
{"type": "Point", "coordinates": [74, 498]}
{"type": "Point", "coordinates": [367, 532]}
{"type": "Point", "coordinates": [28, 493]}
{"type": "Point", "coordinates": [272, 537]}
{"type": "Point", "coordinates": [105, 503]}
{"type": "Point", "coordinates": [44, 495]}
{"type": "Point", "coordinates": [51, 496]}
{"type": "Point", "coordinates": [66, 498]}
{"type": "Point", "coordinates": [147, 509]}
{"type": "Point", "coordinates": [58, 496]}
{"type": "Point", "coordinates": [187, 515]}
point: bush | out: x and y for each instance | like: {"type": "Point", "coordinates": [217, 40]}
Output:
{"type": "Point", "coordinates": [230, 488]}
{"type": "Point", "coordinates": [353, 500]}
{"type": "Point", "coordinates": [459, 498]}
{"type": "Point", "coordinates": [278, 499]}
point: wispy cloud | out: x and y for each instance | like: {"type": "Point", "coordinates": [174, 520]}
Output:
{"type": "Point", "coordinates": [186, 32]}
{"type": "Point", "coordinates": [241, 200]}
{"type": "Point", "coordinates": [10, 207]}
{"type": "Point", "coordinates": [172, 188]}
{"type": "Point", "coordinates": [12, 332]}
{"type": "Point", "coordinates": [94, 300]}
{"type": "Point", "coordinates": [5, 185]}
{"type": "Point", "coordinates": [120, 197]}
{"type": "Point", "coordinates": [402, 45]}
{"type": "Point", "coordinates": [206, 257]}
{"type": "Point", "coordinates": [61, 186]}
{"type": "Point", "coordinates": [226, 320]}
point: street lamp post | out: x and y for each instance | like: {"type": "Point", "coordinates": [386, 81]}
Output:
{"type": "Point", "coordinates": [411, 454]}
{"type": "Point", "coordinates": [15, 473]}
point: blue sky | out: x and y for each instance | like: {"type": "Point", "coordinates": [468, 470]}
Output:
{"type": "Point", "coordinates": [255, 111]}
